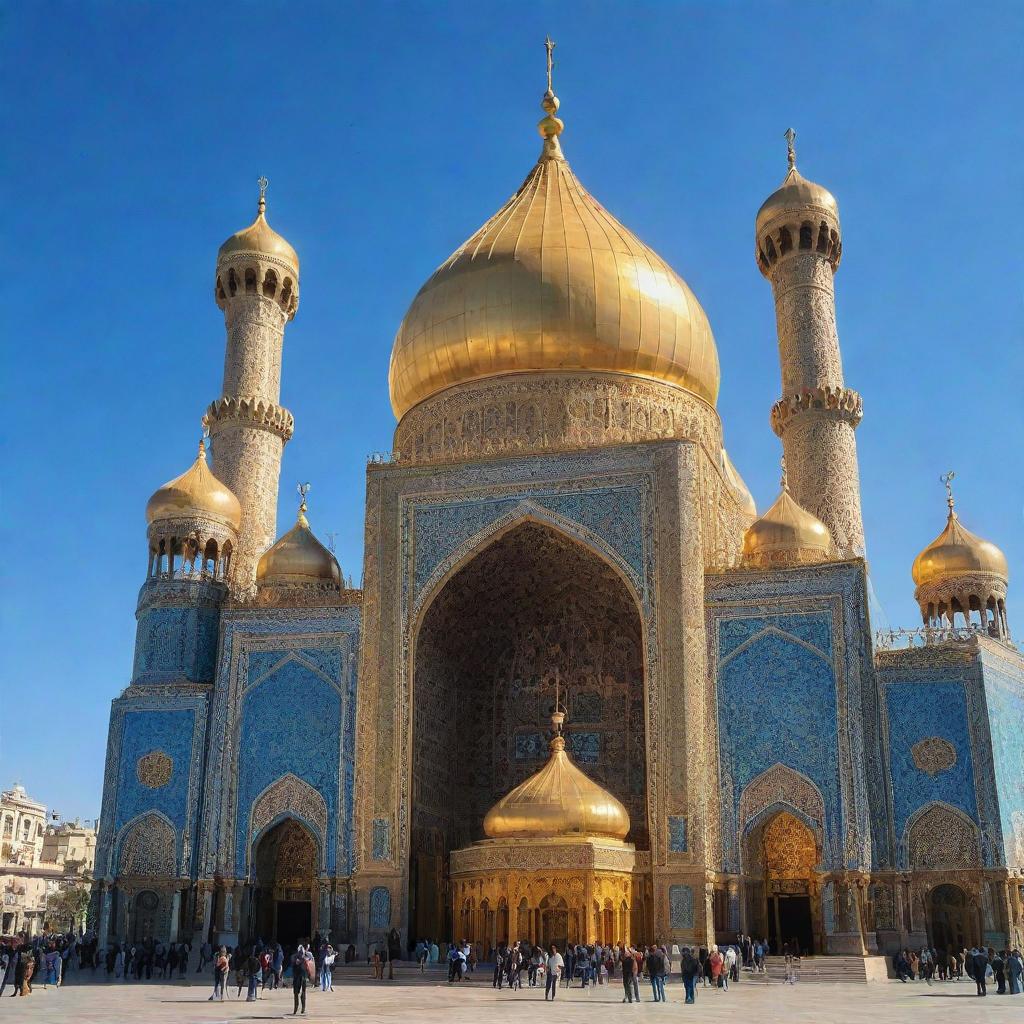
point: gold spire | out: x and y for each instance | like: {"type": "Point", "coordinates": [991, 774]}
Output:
{"type": "Point", "coordinates": [956, 551]}
{"type": "Point", "coordinates": [298, 557]}
{"type": "Point", "coordinates": [196, 494]}
{"type": "Point", "coordinates": [558, 800]}
{"type": "Point", "coordinates": [796, 194]}
{"type": "Point", "coordinates": [259, 237]}
{"type": "Point", "coordinates": [550, 126]}
{"type": "Point", "coordinates": [790, 137]}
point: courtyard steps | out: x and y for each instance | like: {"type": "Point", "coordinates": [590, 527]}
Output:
{"type": "Point", "coordinates": [829, 970]}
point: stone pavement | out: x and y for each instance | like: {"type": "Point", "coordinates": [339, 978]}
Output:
{"type": "Point", "coordinates": [364, 1001]}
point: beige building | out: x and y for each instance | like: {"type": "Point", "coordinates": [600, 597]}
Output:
{"type": "Point", "coordinates": [22, 825]}
{"type": "Point", "coordinates": [71, 846]}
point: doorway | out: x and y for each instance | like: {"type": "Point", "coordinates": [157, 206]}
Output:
{"type": "Point", "coordinates": [554, 922]}
{"type": "Point", "coordinates": [294, 922]}
{"type": "Point", "coordinates": [789, 919]}
{"type": "Point", "coordinates": [949, 918]}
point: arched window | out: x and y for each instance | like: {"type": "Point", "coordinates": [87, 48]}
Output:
{"type": "Point", "coordinates": [270, 284]}
{"type": "Point", "coordinates": [250, 281]}
{"type": "Point", "coordinates": [823, 241]}
{"type": "Point", "coordinates": [806, 232]}
{"type": "Point", "coordinates": [770, 246]}
{"type": "Point", "coordinates": [286, 293]}
{"type": "Point", "coordinates": [232, 282]}
{"type": "Point", "coordinates": [785, 241]}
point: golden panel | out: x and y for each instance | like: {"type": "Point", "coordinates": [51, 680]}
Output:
{"type": "Point", "coordinates": [789, 848]}
{"type": "Point", "coordinates": [933, 755]}
{"type": "Point", "coordinates": [154, 769]}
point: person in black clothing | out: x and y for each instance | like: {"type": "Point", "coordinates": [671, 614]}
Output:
{"type": "Point", "coordinates": [690, 970]}
{"type": "Point", "coordinates": [299, 979]}
{"type": "Point", "coordinates": [980, 959]}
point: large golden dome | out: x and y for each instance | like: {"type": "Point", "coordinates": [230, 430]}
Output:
{"type": "Point", "coordinates": [559, 800]}
{"type": "Point", "coordinates": [298, 557]}
{"type": "Point", "coordinates": [552, 282]}
{"type": "Point", "coordinates": [958, 552]}
{"type": "Point", "coordinates": [196, 494]}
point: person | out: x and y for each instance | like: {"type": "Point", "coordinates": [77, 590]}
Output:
{"type": "Point", "coordinates": [555, 965]}
{"type": "Point", "coordinates": [326, 966]}
{"type": "Point", "coordinates": [254, 975]}
{"type": "Point", "coordinates": [690, 969]}
{"type": "Point", "coordinates": [300, 976]}
{"type": "Point", "coordinates": [629, 983]}
{"type": "Point", "coordinates": [499, 967]}
{"type": "Point", "coordinates": [999, 970]}
{"type": "Point", "coordinates": [536, 959]}
{"type": "Point", "coordinates": [981, 967]}
{"type": "Point", "coordinates": [1014, 970]}
{"type": "Point", "coordinates": [656, 973]}
{"type": "Point", "coordinates": [715, 962]}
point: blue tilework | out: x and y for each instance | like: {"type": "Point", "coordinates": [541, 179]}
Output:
{"type": "Point", "coordinates": [1005, 698]}
{"type": "Point", "coordinates": [777, 704]}
{"type": "Point", "coordinates": [613, 513]}
{"type": "Point", "coordinates": [914, 711]}
{"type": "Point", "coordinates": [380, 907]}
{"type": "Point", "coordinates": [585, 747]}
{"type": "Point", "coordinates": [381, 839]}
{"type": "Point", "coordinates": [290, 722]}
{"type": "Point", "coordinates": [144, 731]}
{"type": "Point", "coordinates": [178, 643]}
{"type": "Point", "coordinates": [677, 833]}
{"type": "Point", "coordinates": [734, 632]}
{"type": "Point", "coordinates": [586, 707]}
{"type": "Point", "coordinates": [680, 904]}
{"type": "Point", "coordinates": [530, 746]}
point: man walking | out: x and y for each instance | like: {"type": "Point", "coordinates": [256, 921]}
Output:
{"type": "Point", "coordinates": [555, 965]}
{"type": "Point", "coordinates": [300, 976]}
{"type": "Point", "coordinates": [656, 972]}
{"type": "Point", "coordinates": [980, 961]}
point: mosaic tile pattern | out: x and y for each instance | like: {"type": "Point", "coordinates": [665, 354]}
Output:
{"type": "Point", "coordinates": [176, 644]}
{"type": "Point", "coordinates": [1004, 695]}
{"type": "Point", "coordinates": [917, 711]}
{"type": "Point", "coordinates": [680, 902]}
{"type": "Point", "coordinates": [677, 833]}
{"type": "Point", "coordinates": [381, 839]}
{"type": "Point", "coordinates": [380, 907]}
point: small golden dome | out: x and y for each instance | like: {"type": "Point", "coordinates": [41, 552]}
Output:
{"type": "Point", "coordinates": [738, 486]}
{"type": "Point", "coordinates": [552, 282]}
{"type": "Point", "coordinates": [559, 800]}
{"type": "Point", "coordinates": [197, 494]}
{"type": "Point", "coordinates": [298, 557]}
{"type": "Point", "coordinates": [260, 237]}
{"type": "Point", "coordinates": [786, 534]}
{"type": "Point", "coordinates": [958, 552]}
{"type": "Point", "coordinates": [796, 194]}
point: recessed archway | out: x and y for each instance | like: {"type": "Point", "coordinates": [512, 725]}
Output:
{"type": "Point", "coordinates": [533, 607]}
{"type": "Point", "coordinates": [951, 919]}
{"type": "Point", "coordinates": [286, 859]}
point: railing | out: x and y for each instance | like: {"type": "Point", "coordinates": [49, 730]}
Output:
{"type": "Point", "coordinates": [383, 458]}
{"type": "Point", "coordinates": [927, 636]}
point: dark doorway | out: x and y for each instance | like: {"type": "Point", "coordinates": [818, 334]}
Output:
{"type": "Point", "coordinates": [790, 918]}
{"type": "Point", "coordinates": [294, 920]}
{"type": "Point", "coordinates": [950, 921]}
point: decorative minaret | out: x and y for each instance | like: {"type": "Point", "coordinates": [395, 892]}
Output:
{"type": "Point", "coordinates": [258, 289]}
{"type": "Point", "coordinates": [798, 249]}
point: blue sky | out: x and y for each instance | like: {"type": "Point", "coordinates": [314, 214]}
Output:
{"type": "Point", "coordinates": [389, 132]}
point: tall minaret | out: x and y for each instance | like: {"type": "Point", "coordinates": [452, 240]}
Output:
{"type": "Point", "coordinates": [258, 289]}
{"type": "Point", "coordinates": [798, 250]}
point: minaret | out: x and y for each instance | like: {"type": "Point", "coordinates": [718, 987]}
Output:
{"type": "Point", "coordinates": [257, 287]}
{"type": "Point", "coordinates": [798, 249]}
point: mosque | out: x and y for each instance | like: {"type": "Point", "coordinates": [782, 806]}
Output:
{"type": "Point", "coordinates": [586, 692]}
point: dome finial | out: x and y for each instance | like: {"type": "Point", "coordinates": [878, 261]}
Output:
{"type": "Point", "coordinates": [557, 716]}
{"type": "Point", "coordinates": [550, 126]}
{"type": "Point", "coordinates": [947, 479]}
{"type": "Point", "coordinates": [784, 481]}
{"type": "Point", "coordinates": [303, 490]}
{"type": "Point", "coordinates": [262, 205]}
{"type": "Point", "coordinates": [790, 137]}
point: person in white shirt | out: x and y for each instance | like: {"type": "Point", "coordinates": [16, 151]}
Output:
{"type": "Point", "coordinates": [554, 970]}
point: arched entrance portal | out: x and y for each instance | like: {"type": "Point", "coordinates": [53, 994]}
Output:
{"type": "Point", "coordinates": [783, 902]}
{"type": "Point", "coordinates": [285, 888]}
{"type": "Point", "coordinates": [554, 922]}
{"type": "Point", "coordinates": [532, 607]}
{"type": "Point", "coordinates": [949, 918]}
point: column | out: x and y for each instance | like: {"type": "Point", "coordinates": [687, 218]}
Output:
{"type": "Point", "coordinates": [175, 915]}
{"type": "Point", "coordinates": [103, 929]}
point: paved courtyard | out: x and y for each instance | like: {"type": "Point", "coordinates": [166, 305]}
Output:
{"type": "Point", "coordinates": [367, 1002]}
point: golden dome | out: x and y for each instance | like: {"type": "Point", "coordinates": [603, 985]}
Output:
{"type": "Point", "coordinates": [958, 552]}
{"type": "Point", "coordinates": [559, 800]}
{"type": "Point", "coordinates": [796, 194]}
{"type": "Point", "coordinates": [196, 494]}
{"type": "Point", "coordinates": [298, 557]}
{"type": "Point", "coordinates": [260, 237]}
{"type": "Point", "coordinates": [786, 534]}
{"type": "Point", "coordinates": [738, 486]}
{"type": "Point", "coordinates": [552, 282]}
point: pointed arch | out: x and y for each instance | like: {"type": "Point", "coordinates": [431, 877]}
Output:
{"type": "Point", "coordinates": [147, 847]}
{"type": "Point", "coordinates": [288, 797]}
{"type": "Point", "coordinates": [781, 788]}
{"type": "Point", "coordinates": [773, 631]}
{"type": "Point", "coordinates": [940, 836]}
{"type": "Point", "coordinates": [526, 511]}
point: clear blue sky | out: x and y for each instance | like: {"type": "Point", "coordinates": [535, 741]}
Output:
{"type": "Point", "coordinates": [135, 134]}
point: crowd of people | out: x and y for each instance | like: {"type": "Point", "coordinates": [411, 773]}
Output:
{"type": "Point", "coordinates": [1004, 968]}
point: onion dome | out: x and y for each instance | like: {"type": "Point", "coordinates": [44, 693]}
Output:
{"type": "Point", "coordinates": [737, 485]}
{"type": "Point", "coordinates": [298, 557]}
{"type": "Point", "coordinates": [786, 535]}
{"type": "Point", "coordinates": [260, 238]}
{"type": "Point", "coordinates": [559, 800]}
{"type": "Point", "coordinates": [796, 195]}
{"type": "Point", "coordinates": [958, 552]}
{"type": "Point", "coordinates": [196, 494]}
{"type": "Point", "coordinates": [552, 283]}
